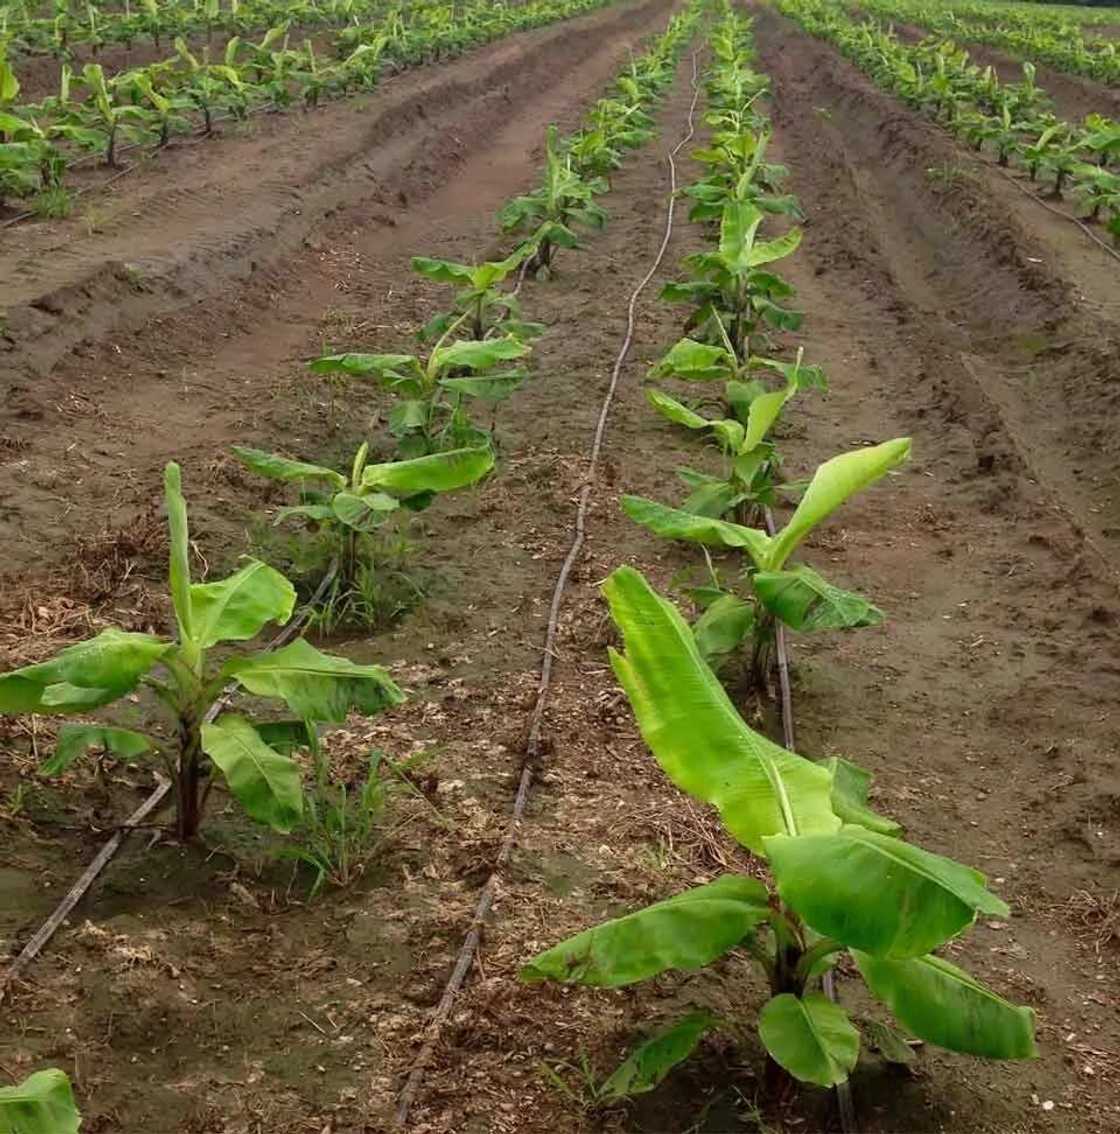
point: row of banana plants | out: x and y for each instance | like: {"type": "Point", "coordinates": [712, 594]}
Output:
{"type": "Point", "coordinates": [61, 27]}
{"type": "Point", "coordinates": [1050, 36]}
{"type": "Point", "coordinates": [95, 112]}
{"type": "Point", "coordinates": [1013, 120]}
{"type": "Point", "coordinates": [844, 885]}
{"type": "Point", "coordinates": [472, 354]}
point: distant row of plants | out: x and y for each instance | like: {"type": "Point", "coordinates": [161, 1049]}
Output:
{"type": "Point", "coordinates": [97, 112]}
{"type": "Point", "coordinates": [470, 355]}
{"type": "Point", "coordinates": [1013, 120]}
{"type": "Point", "coordinates": [844, 885]}
{"type": "Point", "coordinates": [1039, 34]}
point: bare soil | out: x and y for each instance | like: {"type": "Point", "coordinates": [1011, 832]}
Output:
{"type": "Point", "coordinates": [197, 990]}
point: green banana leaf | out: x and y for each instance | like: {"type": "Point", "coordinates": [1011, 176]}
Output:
{"type": "Point", "coordinates": [42, 1104]}
{"type": "Point", "coordinates": [238, 608]}
{"type": "Point", "coordinates": [876, 893]}
{"type": "Point", "coordinates": [489, 388]}
{"type": "Point", "coordinates": [314, 685]}
{"type": "Point", "coordinates": [674, 523]}
{"type": "Point", "coordinates": [478, 354]}
{"type": "Point", "coordinates": [85, 675]}
{"type": "Point", "coordinates": [77, 739]}
{"type": "Point", "coordinates": [723, 628]}
{"type": "Point", "coordinates": [264, 782]}
{"type": "Point", "coordinates": [648, 1064]}
{"type": "Point", "coordinates": [943, 1004]}
{"type": "Point", "coordinates": [179, 570]}
{"type": "Point", "coordinates": [673, 410]}
{"type": "Point", "coordinates": [850, 787]}
{"type": "Point", "coordinates": [437, 472]}
{"type": "Point", "coordinates": [834, 482]}
{"type": "Point", "coordinates": [363, 512]}
{"type": "Point", "coordinates": [687, 931]}
{"type": "Point", "coordinates": [804, 601]}
{"type": "Point", "coordinates": [694, 731]}
{"type": "Point", "coordinates": [810, 1037]}
{"type": "Point", "coordinates": [695, 362]}
{"type": "Point", "coordinates": [281, 468]}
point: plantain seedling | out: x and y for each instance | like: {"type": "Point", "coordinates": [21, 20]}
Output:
{"type": "Point", "coordinates": [352, 509]}
{"type": "Point", "coordinates": [187, 681]}
{"type": "Point", "coordinates": [550, 214]}
{"type": "Point", "coordinates": [750, 478]}
{"type": "Point", "coordinates": [433, 393]}
{"type": "Point", "coordinates": [844, 882]}
{"type": "Point", "coordinates": [481, 308]}
{"type": "Point", "coordinates": [731, 291]}
{"type": "Point", "coordinates": [801, 598]}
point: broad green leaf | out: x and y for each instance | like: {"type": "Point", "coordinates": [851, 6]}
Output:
{"type": "Point", "coordinates": [648, 1064]}
{"type": "Point", "coordinates": [837, 480]}
{"type": "Point", "coordinates": [687, 931]}
{"type": "Point", "coordinates": [805, 601]}
{"type": "Point", "coordinates": [850, 787]}
{"type": "Point", "coordinates": [437, 472]}
{"type": "Point", "coordinates": [723, 627]}
{"type": "Point", "coordinates": [673, 410]}
{"type": "Point", "coordinates": [364, 512]}
{"type": "Point", "coordinates": [316, 686]}
{"type": "Point", "coordinates": [694, 731]}
{"type": "Point", "coordinates": [767, 251]}
{"type": "Point", "coordinates": [944, 1005]}
{"type": "Point", "coordinates": [367, 365]}
{"type": "Point", "coordinates": [478, 354]}
{"type": "Point", "coordinates": [88, 674]}
{"type": "Point", "coordinates": [810, 1037]}
{"type": "Point", "coordinates": [77, 739]}
{"type": "Point", "coordinates": [695, 362]}
{"type": "Point", "coordinates": [490, 388]}
{"type": "Point", "coordinates": [673, 523]}
{"type": "Point", "coordinates": [877, 893]}
{"type": "Point", "coordinates": [287, 736]}
{"type": "Point", "coordinates": [42, 1104]}
{"type": "Point", "coordinates": [263, 781]}
{"type": "Point", "coordinates": [317, 512]}
{"type": "Point", "coordinates": [238, 608]}
{"type": "Point", "coordinates": [280, 468]}
{"type": "Point", "coordinates": [406, 414]}
{"type": "Point", "coordinates": [730, 433]}
{"type": "Point", "coordinates": [764, 411]}
{"type": "Point", "coordinates": [179, 574]}
{"type": "Point", "coordinates": [737, 231]}
{"type": "Point", "coordinates": [442, 271]}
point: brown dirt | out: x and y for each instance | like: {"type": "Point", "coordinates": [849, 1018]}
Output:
{"type": "Point", "coordinates": [205, 997]}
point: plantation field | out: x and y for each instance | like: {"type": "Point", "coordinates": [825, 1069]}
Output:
{"type": "Point", "coordinates": [217, 984]}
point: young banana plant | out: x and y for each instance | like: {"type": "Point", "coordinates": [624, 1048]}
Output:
{"type": "Point", "coordinates": [254, 758]}
{"type": "Point", "coordinates": [350, 508]}
{"type": "Point", "coordinates": [751, 409]}
{"type": "Point", "coordinates": [732, 292]}
{"type": "Point", "coordinates": [431, 412]}
{"type": "Point", "coordinates": [801, 598]}
{"type": "Point", "coordinates": [482, 308]}
{"type": "Point", "coordinates": [551, 213]}
{"type": "Point", "coordinates": [844, 882]}
{"type": "Point", "coordinates": [739, 175]}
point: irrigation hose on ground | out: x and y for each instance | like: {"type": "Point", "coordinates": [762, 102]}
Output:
{"type": "Point", "coordinates": [76, 892]}
{"type": "Point", "coordinates": [533, 745]}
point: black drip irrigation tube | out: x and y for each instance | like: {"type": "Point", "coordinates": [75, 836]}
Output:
{"type": "Point", "coordinates": [536, 721]}
{"type": "Point", "coordinates": [76, 892]}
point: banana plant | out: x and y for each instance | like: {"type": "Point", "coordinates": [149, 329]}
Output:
{"type": "Point", "coordinates": [352, 507]}
{"type": "Point", "coordinates": [739, 174]}
{"type": "Point", "coordinates": [187, 682]}
{"type": "Point", "coordinates": [431, 412]}
{"type": "Point", "coordinates": [110, 115]}
{"type": "Point", "coordinates": [796, 595]}
{"type": "Point", "coordinates": [844, 883]}
{"type": "Point", "coordinates": [749, 412]}
{"type": "Point", "coordinates": [43, 1103]}
{"type": "Point", "coordinates": [732, 292]}
{"type": "Point", "coordinates": [481, 307]}
{"type": "Point", "coordinates": [550, 214]}
{"type": "Point", "coordinates": [1097, 189]}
